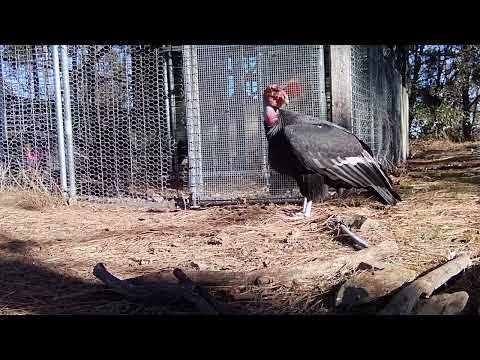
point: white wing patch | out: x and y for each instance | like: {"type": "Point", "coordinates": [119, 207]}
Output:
{"type": "Point", "coordinates": [354, 160]}
{"type": "Point", "coordinates": [348, 169]}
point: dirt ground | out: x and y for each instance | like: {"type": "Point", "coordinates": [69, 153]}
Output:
{"type": "Point", "coordinates": [47, 255]}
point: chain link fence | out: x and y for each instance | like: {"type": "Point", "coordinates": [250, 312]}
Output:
{"type": "Point", "coordinates": [151, 121]}
{"type": "Point", "coordinates": [28, 130]}
{"type": "Point", "coordinates": [122, 119]}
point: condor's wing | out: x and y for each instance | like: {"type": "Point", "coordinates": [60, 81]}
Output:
{"type": "Point", "coordinates": [338, 155]}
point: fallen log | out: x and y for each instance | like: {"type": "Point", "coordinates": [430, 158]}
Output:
{"type": "Point", "coordinates": [301, 273]}
{"type": "Point", "coordinates": [159, 293]}
{"type": "Point", "coordinates": [406, 299]}
{"type": "Point", "coordinates": [443, 304]}
{"type": "Point", "coordinates": [339, 265]}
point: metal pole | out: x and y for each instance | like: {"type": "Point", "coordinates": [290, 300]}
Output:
{"type": "Point", "coordinates": [196, 114]}
{"type": "Point", "coordinates": [165, 94]}
{"type": "Point", "coordinates": [58, 110]}
{"type": "Point", "coordinates": [192, 174]}
{"type": "Point", "coordinates": [3, 114]}
{"type": "Point", "coordinates": [171, 88]}
{"type": "Point", "coordinates": [68, 122]}
{"type": "Point", "coordinates": [173, 121]}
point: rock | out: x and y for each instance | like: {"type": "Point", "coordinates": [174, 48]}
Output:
{"type": "Point", "coordinates": [214, 242]}
{"type": "Point", "coordinates": [194, 265]}
{"type": "Point", "coordinates": [443, 304]}
{"type": "Point", "coordinates": [369, 225]}
{"type": "Point", "coordinates": [354, 221]}
{"type": "Point", "coordinates": [369, 286]}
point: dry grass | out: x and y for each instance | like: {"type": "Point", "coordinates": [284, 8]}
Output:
{"type": "Point", "coordinates": [50, 253]}
{"type": "Point", "coordinates": [39, 200]}
{"type": "Point", "coordinates": [30, 189]}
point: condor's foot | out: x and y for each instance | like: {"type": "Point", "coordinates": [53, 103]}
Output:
{"type": "Point", "coordinates": [297, 216]}
{"type": "Point", "coordinates": [306, 213]}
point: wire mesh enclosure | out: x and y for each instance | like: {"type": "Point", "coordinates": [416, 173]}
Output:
{"type": "Point", "coordinates": [123, 122]}
{"type": "Point", "coordinates": [228, 148]}
{"type": "Point", "coordinates": [376, 93]}
{"type": "Point", "coordinates": [148, 121]}
{"type": "Point", "coordinates": [28, 132]}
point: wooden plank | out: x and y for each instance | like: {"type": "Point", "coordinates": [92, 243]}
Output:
{"type": "Point", "coordinates": [341, 84]}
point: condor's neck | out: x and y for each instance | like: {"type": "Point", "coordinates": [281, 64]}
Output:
{"type": "Point", "coordinates": [272, 120]}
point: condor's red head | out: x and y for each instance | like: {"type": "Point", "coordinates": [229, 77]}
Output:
{"type": "Point", "coordinates": [274, 97]}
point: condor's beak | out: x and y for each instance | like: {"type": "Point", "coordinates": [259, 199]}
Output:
{"type": "Point", "coordinates": [286, 99]}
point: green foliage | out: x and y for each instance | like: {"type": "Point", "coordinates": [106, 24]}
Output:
{"type": "Point", "coordinates": [444, 89]}
{"type": "Point", "coordinates": [443, 122]}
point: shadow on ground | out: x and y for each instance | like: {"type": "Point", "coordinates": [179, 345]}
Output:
{"type": "Point", "coordinates": [29, 287]}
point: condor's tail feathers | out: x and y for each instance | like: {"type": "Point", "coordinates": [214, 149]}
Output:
{"type": "Point", "coordinates": [385, 196]}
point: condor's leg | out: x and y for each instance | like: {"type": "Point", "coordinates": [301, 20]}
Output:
{"type": "Point", "coordinates": [312, 186]}
{"type": "Point", "coordinates": [300, 215]}
{"type": "Point", "coordinates": [308, 209]}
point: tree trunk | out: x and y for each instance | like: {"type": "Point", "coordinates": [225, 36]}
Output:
{"type": "Point", "coordinates": [466, 125]}
{"type": "Point", "coordinates": [417, 65]}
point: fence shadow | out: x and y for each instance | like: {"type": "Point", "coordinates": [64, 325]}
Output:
{"type": "Point", "coordinates": [27, 287]}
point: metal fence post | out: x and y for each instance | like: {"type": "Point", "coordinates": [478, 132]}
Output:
{"type": "Point", "coordinates": [172, 109]}
{"type": "Point", "coordinates": [3, 119]}
{"type": "Point", "coordinates": [59, 116]}
{"type": "Point", "coordinates": [166, 94]}
{"type": "Point", "coordinates": [196, 116]}
{"type": "Point", "coordinates": [68, 123]}
{"type": "Point", "coordinates": [192, 174]}
{"type": "Point", "coordinates": [171, 89]}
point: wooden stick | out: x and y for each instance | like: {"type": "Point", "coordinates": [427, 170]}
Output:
{"type": "Point", "coordinates": [121, 287]}
{"type": "Point", "coordinates": [158, 293]}
{"type": "Point", "coordinates": [355, 238]}
{"type": "Point", "coordinates": [404, 302]}
{"type": "Point", "coordinates": [196, 294]}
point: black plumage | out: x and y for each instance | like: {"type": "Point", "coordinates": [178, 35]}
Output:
{"type": "Point", "coordinates": [314, 151]}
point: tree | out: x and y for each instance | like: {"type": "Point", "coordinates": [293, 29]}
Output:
{"type": "Point", "coordinates": [444, 88]}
